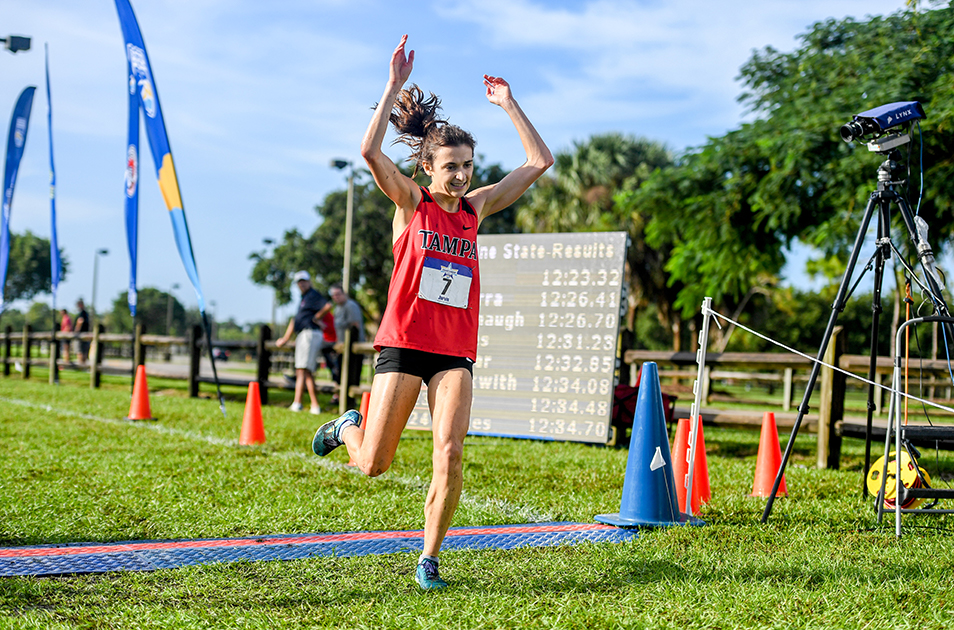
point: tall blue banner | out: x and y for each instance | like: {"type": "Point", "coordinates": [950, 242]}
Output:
{"type": "Point", "coordinates": [142, 83]}
{"type": "Point", "coordinates": [56, 266]}
{"type": "Point", "coordinates": [16, 140]}
{"type": "Point", "coordinates": [141, 75]}
{"type": "Point", "coordinates": [132, 188]}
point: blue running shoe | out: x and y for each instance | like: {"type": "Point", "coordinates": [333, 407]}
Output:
{"type": "Point", "coordinates": [428, 577]}
{"type": "Point", "coordinates": [328, 436]}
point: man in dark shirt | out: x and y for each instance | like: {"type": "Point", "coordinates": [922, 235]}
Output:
{"type": "Point", "coordinates": [307, 325]}
{"type": "Point", "coordinates": [81, 325]}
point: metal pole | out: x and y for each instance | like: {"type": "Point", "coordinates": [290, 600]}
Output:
{"type": "Point", "coordinates": [95, 275]}
{"type": "Point", "coordinates": [96, 256]}
{"type": "Point", "coordinates": [695, 417]}
{"type": "Point", "coordinates": [349, 220]}
{"type": "Point", "coordinates": [836, 308]}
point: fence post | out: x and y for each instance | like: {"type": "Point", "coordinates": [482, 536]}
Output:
{"type": "Point", "coordinates": [931, 389]}
{"type": "Point", "coordinates": [27, 350]}
{"type": "Point", "coordinates": [195, 351]}
{"type": "Point", "coordinates": [627, 340]}
{"type": "Point", "coordinates": [344, 374]}
{"type": "Point", "coordinates": [264, 362]}
{"type": "Point", "coordinates": [95, 358]}
{"type": "Point", "coordinates": [787, 389]}
{"type": "Point", "coordinates": [7, 343]}
{"type": "Point", "coordinates": [879, 393]}
{"type": "Point", "coordinates": [54, 355]}
{"type": "Point", "coordinates": [831, 409]}
{"type": "Point", "coordinates": [139, 356]}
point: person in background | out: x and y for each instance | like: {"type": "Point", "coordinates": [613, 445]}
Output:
{"type": "Point", "coordinates": [66, 329]}
{"type": "Point", "coordinates": [329, 337]}
{"type": "Point", "coordinates": [305, 323]}
{"type": "Point", "coordinates": [348, 315]}
{"type": "Point", "coordinates": [81, 325]}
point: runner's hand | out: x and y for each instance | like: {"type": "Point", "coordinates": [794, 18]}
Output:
{"type": "Point", "coordinates": [498, 90]}
{"type": "Point", "coordinates": [401, 66]}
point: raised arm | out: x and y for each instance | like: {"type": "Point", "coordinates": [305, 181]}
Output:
{"type": "Point", "coordinates": [496, 197]}
{"type": "Point", "coordinates": [398, 187]}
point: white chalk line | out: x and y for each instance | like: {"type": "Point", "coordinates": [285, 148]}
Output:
{"type": "Point", "coordinates": [504, 509]}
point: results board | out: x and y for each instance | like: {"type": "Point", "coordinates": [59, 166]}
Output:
{"type": "Point", "coordinates": [550, 310]}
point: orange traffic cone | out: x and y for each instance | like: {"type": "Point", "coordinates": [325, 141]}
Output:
{"type": "Point", "coordinates": [680, 467]}
{"type": "Point", "coordinates": [252, 430]}
{"type": "Point", "coordinates": [363, 410]}
{"type": "Point", "coordinates": [139, 406]}
{"type": "Point", "coordinates": [769, 460]}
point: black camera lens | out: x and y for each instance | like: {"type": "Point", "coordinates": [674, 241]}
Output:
{"type": "Point", "coordinates": [858, 128]}
{"type": "Point", "coordinates": [850, 131]}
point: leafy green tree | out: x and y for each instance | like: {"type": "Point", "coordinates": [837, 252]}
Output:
{"type": "Point", "coordinates": [152, 309]}
{"type": "Point", "coordinates": [322, 252]}
{"type": "Point", "coordinates": [584, 195]}
{"type": "Point", "coordinates": [700, 210]}
{"type": "Point", "coordinates": [580, 193]}
{"type": "Point", "coordinates": [39, 316]}
{"type": "Point", "coordinates": [28, 271]}
{"type": "Point", "coordinates": [728, 208]}
{"type": "Point", "coordinates": [233, 331]}
{"type": "Point", "coordinates": [817, 184]}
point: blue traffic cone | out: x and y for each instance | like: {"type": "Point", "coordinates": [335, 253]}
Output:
{"type": "Point", "coordinates": [649, 489]}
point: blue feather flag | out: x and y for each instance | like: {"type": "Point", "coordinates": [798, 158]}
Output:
{"type": "Point", "coordinates": [141, 79]}
{"type": "Point", "coordinates": [56, 265]}
{"type": "Point", "coordinates": [16, 141]}
{"type": "Point", "coordinates": [132, 189]}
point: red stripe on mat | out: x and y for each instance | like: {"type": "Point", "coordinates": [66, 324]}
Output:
{"type": "Point", "coordinates": [292, 539]}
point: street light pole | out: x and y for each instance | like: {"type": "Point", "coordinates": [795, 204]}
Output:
{"type": "Point", "coordinates": [349, 220]}
{"type": "Point", "coordinates": [268, 243]}
{"type": "Point", "coordinates": [344, 367]}
{"type": "Point", "coordinates": [96, 255]}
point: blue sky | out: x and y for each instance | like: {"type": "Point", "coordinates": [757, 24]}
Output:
{"type": "Point", "coordinates": [258, 97]}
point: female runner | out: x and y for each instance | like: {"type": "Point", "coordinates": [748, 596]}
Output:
{"type": "Point", "coordinates": [429, 329]}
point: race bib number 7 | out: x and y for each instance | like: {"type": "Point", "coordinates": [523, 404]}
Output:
{"type": "Point", "coordinates": [445, 282]}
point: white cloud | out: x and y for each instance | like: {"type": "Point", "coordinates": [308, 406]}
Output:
{"type": "Point", "coordinates": [259, 96]}
{"type": "Point", "coordinates": [643, 61]}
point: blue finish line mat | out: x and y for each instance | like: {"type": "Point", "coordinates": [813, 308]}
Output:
{"type": "Point", "coordinates": [169, 554]}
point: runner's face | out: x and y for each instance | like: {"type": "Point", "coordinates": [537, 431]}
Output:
{"type": "Point", "coordinates": [451, 170]}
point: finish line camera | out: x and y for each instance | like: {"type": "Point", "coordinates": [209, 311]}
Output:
{"type": "Point", "coordinates": [880, 119]}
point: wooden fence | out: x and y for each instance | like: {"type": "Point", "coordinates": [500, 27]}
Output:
{"type": "Point", "coordinates": [676, 368]}
{"type": "Point", "coordinates": [829, 421]}
{"type": "Point", "coordinates": [31, 346]}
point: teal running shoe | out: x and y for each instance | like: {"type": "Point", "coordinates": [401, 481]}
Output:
{"type": "Point", "coordinates": [428, 577]}
{"type": "Point", "coordinates": [328, 436]}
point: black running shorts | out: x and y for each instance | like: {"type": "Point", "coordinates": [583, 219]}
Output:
{"type": "Point", "coordinates": [419, 363]}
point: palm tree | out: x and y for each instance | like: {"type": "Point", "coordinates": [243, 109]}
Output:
{"type": "Point", "coordinates": [582, 196]}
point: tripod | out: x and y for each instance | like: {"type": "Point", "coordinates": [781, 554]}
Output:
{"type": "Point", "coordinates": [881, 200]}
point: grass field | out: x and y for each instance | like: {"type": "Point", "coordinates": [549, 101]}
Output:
{"type": "Point", "coordinates": [72, 471]}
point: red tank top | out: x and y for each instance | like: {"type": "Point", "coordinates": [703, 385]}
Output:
{"type": "Point", "coordinates": [434, 293]}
